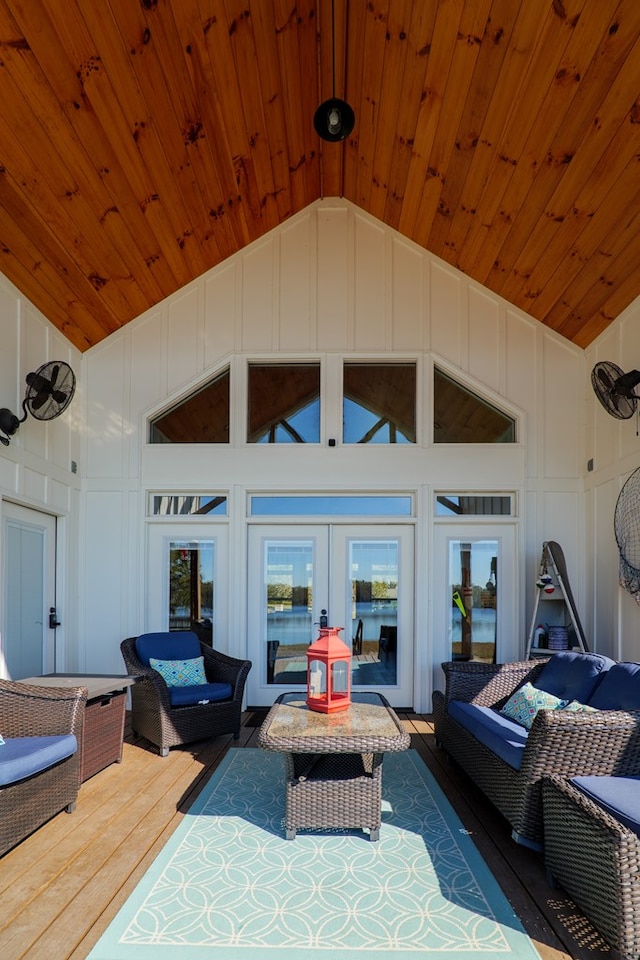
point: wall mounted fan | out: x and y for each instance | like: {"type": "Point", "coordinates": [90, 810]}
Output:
{"type": "Point", "coordinates": [615, 389]}
{"type": "Point", "coordinates": [49, 392]}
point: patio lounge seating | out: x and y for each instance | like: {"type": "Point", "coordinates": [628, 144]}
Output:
{"type": "Point", "coordinates": [39, 760]}
{"type": "Point", "coordinates": [187, 708]}
{"type": "Point", "coordinates": [592, 849]}
{"type": "Point", "coordinates": [507, 760]}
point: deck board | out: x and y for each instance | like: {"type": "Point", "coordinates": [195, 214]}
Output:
{"type": "Point", "coordinates": [63, 885]}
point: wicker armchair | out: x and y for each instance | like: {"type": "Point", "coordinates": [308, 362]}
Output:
{"type": "Point", "coordinates": [596, 860]}
{"type": "Point", "coordinates": [30, 711]}
{"type": "Point", "coordinates": [155, 717]}
{"type": "Point", "coordinates": [562, 742]}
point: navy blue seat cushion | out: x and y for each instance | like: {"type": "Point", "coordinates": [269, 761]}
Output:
{"type": "Point", "coordinates": [504, 737]}
{"type": "Point", "coordinates": [22, 757]}
{"type": "Point", "coordinates": [619, 688]}
{"type": "Point", "coordinates": [210, 692]}
{"type": "Point", "coordinates": [168, 645]}
{"type": "Point", "coordinates": [573, 676]}
{"type": "Point", "coordinates": [619, 796]}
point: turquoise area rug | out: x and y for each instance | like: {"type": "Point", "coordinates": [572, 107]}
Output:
{"type": "Point", "coordinates": [228, 886]}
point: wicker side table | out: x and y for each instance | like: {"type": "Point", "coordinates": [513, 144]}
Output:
{"type": "Point", "coordinates": [333, 764]}
{"type": "Point", "coordinates": [104, 715]}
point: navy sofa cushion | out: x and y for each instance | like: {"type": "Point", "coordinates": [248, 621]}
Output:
{"type": "Point", "coordinates": [619, 796]}
{"type": "Point", "coordinates": [619, 689]}
{"type": "Point", "coordinates": [504, 737]}
{"type": "Point", "coordinates": [168, 645]}
{"type": "Point", "coordinates": [187, 696]}
{"type": "Point", "coordinates": [22, 757]}
{"type": "Point", "coordinates": [573, 676]}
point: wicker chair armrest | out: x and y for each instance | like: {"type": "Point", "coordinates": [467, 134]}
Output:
{"type": "Point", "coordinates": [604, 820]}
{"type": "Point", "coordinates": [147, 675]}
{"type": "Point", "coordinates": [487, 684]}
{"type": "Point", "coordinates": [222, 668]}
{"type": "Point", "coordinates": [573, 744]}
{"type": "Point", "coordinates": [27, 710]}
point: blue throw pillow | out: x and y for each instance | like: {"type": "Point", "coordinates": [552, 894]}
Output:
{"type": "Point", "coordinates": [573, 676]}
{"type": "Point", "coordinates": [576, 707]}
{"type": "Point", "coordinates": [619, 689]}
{"type": "Point", "coordinates": [180, 673]}
{"type": "Point", "coordinates": [523, 705]}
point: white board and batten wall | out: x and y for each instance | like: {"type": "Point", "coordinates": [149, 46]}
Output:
{"type": "Point", "coordinates": [331, 283]}
{"type": "Point", "coordinates": [37, 467]}
{"type": "Point", "coordinates": [614, 448]}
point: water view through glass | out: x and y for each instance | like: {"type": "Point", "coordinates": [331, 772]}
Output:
{"type": "Point", "coordinates": [473, 586]}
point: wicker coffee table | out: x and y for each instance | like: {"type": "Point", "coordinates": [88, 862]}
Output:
{"type": "Point", "coordinates": [333, 763]}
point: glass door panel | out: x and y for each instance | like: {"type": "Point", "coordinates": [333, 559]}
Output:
{"type": "Point", "coordinates": [373, 572]}
{"type": "Point", "coordinates": [288, 595]}
{"type": "Point", "coordinates": [374, 569]}
{"type": "Point", "coordinates": [475, 595]}
{"type": "Point", "coordinates": [187, 580]}
{"type": "Point", "coordinates": [287, 592]}
{"type": "Point", "coordinates": [473, 583]}
{"type": "Point", "coordinates": [192, 586]}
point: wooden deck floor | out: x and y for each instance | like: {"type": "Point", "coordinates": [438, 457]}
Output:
{"type": "Point", "coordinates": [61, 887]}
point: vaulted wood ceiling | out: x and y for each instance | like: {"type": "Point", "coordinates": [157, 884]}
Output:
{"type": "Point", "coordinates": [144, 141]}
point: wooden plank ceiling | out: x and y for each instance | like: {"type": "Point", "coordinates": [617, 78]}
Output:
{"type": "Point", "coordinates": [144, 141]}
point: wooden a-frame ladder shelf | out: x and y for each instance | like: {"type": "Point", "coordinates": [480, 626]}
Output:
{"type": "Point", "coordinates": [554, 604]}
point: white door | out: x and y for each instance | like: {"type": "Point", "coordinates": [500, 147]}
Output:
{"type": "Point", "coordinates": [475, 595]}
{"type": "Point", "coordinates": [361, 577]}
{"type": "Point", "coordinates": [187, 583]}
{"type": "Point", "coordinates": [27, 642]}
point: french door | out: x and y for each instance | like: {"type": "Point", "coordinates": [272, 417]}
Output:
{"type": "Point", "coordinates": [360, 577]}
{"type": "Point", "coordinates": [27, 641]}
{"type": "Point", "coordinates": [187, 580]}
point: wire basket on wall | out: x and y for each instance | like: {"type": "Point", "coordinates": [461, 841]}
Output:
{"type": "Point", "coordinates": [627, 530]}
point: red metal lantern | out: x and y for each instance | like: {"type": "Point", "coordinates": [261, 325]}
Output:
{"type": "Point", "coordinates": [329, 672]}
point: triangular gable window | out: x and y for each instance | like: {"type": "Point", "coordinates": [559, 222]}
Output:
{"type": "Point", "coordinates": [202, 417]}
{"type": "Point", "coordinates": [461, 416]}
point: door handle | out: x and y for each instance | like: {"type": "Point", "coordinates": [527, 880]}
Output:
{"type": "Point", "coordinates": [53, 620]}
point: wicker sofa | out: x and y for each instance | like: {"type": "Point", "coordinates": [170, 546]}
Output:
{"type": "Point", "coordinates": [39, 760]}
{"type": "Point", "coordinates": [509, 762]}
{"type": "Point", "coordinates": [592, 849]}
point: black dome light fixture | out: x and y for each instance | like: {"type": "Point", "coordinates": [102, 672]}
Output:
{"type": "Point", "coordinates": [334, 119]}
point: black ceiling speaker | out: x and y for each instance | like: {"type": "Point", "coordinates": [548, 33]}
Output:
{"type": "Point", "coordinates": [334, 119]}
{"type": "Point", "coordinates": [49, 392]}
{"type": "Point", "coordinates": [615, 389]}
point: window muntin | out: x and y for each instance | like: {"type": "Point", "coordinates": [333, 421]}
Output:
{"type": "Point", "coordinates": [202, 417]}
{"type": "Point", "coordinates": [283, 403]}
{"type": "Point", "coordinates": [461, 416]}
{"type": "Point", "coordinates": [379, 403]}
{"type": "Point", "coordinates": [187, 505]}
